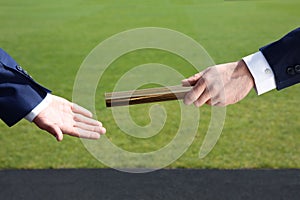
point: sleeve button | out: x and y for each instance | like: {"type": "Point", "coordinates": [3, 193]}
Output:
{"type": "Point", "coordinates": [267, 71]}
{"type": "Point", "coordinates": [19, 68]}
{"type": "Point", "coordinates": [297, 69]}
{"type": "Point", "coordinates": [290, 70]}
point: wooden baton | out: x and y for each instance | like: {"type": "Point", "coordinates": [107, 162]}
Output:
{"type": "Point", "coordinates": [145, 96]}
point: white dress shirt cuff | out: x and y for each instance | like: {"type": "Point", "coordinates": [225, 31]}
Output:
{"type": "Point", "coordinates": [261, 71]}
{"type": "Point", "coordinates": [41, 106]}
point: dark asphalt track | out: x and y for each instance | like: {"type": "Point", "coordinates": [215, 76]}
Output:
{"type": "Point", "coordinates": [163, 184]}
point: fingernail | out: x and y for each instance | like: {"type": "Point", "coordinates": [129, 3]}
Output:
{"type": "Point", "coordinates": [103, 130]}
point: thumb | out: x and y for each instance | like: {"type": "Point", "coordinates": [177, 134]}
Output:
{"type": "Point", "coordinates": [185, 83]}
{"type": "Point", "coordinates": [191, 81]}
{"type": "Point", "coordinates": [55, 131]}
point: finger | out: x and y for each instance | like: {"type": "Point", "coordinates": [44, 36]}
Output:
{"type": "Point", "coordinates": [191, 81]}
{"type": "Point", "coordinates": [205, 97]}
{"type": "Point", "coordinates": [86, 120]}
{"type": "Point", "coordinates": [215, 102]}
{"type": "Point", "coordinates": [96, 129]}
{"type": "Point", "coordinates": [80, 110]}
{"type": "Point", "coordinates": [195, 92]}
{"type": "Point", "coordinates": [85, 134]}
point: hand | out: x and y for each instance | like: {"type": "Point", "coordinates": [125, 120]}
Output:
{"type": "Point", "coordinates": [63, 117]}
{"type": "Point", "coordinates": [219, 85]}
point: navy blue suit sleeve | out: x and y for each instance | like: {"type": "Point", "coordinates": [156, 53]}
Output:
{"type": "Point", "coordinates": [19, 93]}
{"type": "Point", "coordinates": [283, 57]}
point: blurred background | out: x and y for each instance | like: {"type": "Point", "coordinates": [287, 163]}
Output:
{"type": "Point", "coordinates": [50, 39]}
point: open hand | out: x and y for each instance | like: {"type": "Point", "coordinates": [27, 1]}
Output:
{"type": "Point", "coordinates": [63, 117]}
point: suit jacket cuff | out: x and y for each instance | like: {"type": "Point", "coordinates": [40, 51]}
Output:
{"type": "Point", "coordinates": [19, 92]}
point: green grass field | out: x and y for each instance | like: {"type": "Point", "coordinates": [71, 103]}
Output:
{"type": "Point", "coordinates": [50, 39]}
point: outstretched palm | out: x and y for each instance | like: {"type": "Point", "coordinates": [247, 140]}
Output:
{"type": "Point", "coordinates": [63, 117]}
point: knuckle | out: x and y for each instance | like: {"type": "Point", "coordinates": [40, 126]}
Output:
{"type": "Point", "coordinates": [190, 96]}
{"type": "Point", "coordinates": [75, 117]}
{"type": "Point", "coordinates": [195, 76]}
{"type": "Point", "coordinates": [198, 103]}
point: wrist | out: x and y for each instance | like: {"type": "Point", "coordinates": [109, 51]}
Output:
{"type": "Point", "coordinates": [244, 72]}
{"type": "Point", "coordinates": [39, 108]}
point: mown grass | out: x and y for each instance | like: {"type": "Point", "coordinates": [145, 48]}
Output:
{"type": "Point", "coordinates": [51, 39]}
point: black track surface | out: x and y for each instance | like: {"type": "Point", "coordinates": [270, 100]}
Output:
{"type": "Point", "coordinates": [184, 184]}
